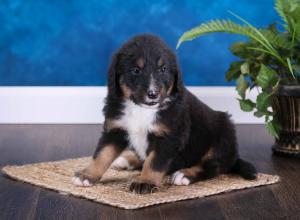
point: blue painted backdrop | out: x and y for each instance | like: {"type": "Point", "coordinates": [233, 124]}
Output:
{"type": "Point", "coordinates": [69, 42]}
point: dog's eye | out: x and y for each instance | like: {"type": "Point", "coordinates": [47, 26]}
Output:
{"type": "Point", "coordinates": [135, 71]}
{"type": "Point", "coordinates": [162, 69]}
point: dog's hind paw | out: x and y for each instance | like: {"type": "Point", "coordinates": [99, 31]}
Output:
{"type": "Point", "coordinates": [121, 163]}
{"type": "Point", "coordinates": [179, 179]}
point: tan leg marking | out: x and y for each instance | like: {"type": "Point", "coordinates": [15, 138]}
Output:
{"type": "Point", "coordinates": [94, 171]}
{"type": "Point", "coordinates": [110, 124]}
{"type": "Point", "coordinates": [197, 168]}
{"type": "Point", "coordinates": [132, 158]}
{"type": "Point", "coordinates": [149, 175]}
{"type": "Point", "coordinates": [208, 156]}
{"type": "Point", "coordinates": [185, 176]}
{"type": "Point", "coordinates": [192, 171]}
{"type": "Point", "coordinates": [160, 129]}
{"type": "Point", "coordinates": [128, 160]}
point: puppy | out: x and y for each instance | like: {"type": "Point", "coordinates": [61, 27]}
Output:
{"type": "Point", "coordinates": [149, 111]}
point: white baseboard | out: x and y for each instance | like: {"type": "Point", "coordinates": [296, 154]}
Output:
{"type": "Point", "coordinates": [83, 105]}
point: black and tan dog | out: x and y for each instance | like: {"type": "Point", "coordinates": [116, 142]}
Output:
{"type": "Point", "coordinates": [149, 111]}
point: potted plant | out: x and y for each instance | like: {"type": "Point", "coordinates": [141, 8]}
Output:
{"type": "Point", "coordinates": [269, 61]}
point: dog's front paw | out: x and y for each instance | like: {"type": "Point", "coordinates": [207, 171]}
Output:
{"type": "Point", "coordinates": [142, 187]}
{"type": "Point", "coordinates": [81, 178]}
{"type": "Point", "coordinates": [179, 179]}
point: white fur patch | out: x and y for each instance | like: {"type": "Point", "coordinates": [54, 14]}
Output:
{"type": "Point", "coordinates": [79, 182]}
{"type": "Point", "coordinates": [179, 179]}
{"type": "Point", "coordinates": [138, 121]}
{"type": "Point", "coordinates": [121, 163]}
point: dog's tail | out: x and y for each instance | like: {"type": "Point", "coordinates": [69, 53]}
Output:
{"type": "Point", "coordinates": [244, 169]}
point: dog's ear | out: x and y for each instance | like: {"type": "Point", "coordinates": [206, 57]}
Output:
{"type": "Point", "coordinates": [113, 77]}
{"type": "Point", "coordinates": [178, 82]}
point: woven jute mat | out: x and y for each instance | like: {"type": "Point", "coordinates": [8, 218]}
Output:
{"type": "Point", "coordinates": [113, 188]}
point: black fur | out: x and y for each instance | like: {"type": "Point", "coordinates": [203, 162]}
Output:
{"type": "Point", "coordinates": [117, 137]}
{"type": "Point", "coordinates": [244, 169]}
{"type": "Point", "coordinates": [194, 128]}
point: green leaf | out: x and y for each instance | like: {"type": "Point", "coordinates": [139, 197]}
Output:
{"type": "Point", "coordinates": [295, 13]}
{"type": "Point", "coordinates": [266, 77]}
{"type": "Point", "coordinates": [272, 128]}
{"type": "Point", "coordinates": [289, 10]}
{"type": "Point", "coordinates": [290, 67]}
{"type": "Point", "coordinates": [284, 9]}
{"type": "Point", "coordinates": [263, 101]}
{"type": "Point", "coordinates": [246, 105]}
{"type": "Point", "coordinates": [297, 31]}
{"type": "Point", "coordinates": [231, 27]}
{"type": "Point", "coordinates": [234, 71]}
{"type": "Point", "coordinates": [259, 114]}
{"type": "Point", "coordinates": [277, 39]}
{"type": "Point", "coordinates": [260, 50]}
{"type": "Point", "coordinates": [258, 36]}
{"type": "Point", "coordinates": [242, 86]}
{"type": "Point", "coordinates": [216, 26]}
{"type": "Point", "coordinates": [245, 69]}
{"type": "Point", "coordinates": [240, 49]}
{"type": "Point", "coordinates": [281, 7]}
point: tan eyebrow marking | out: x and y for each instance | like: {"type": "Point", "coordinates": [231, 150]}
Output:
{"type": "Point", "coordinates": [140, 63]}
{"type": "Point", "coordinates": [160, 62]}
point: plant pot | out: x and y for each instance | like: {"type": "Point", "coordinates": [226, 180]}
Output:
{"type": "Point", "coordinates": [286, 105]}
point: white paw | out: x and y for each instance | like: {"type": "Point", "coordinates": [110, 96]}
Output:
{"type": "Point", "coordinates": [121, 163]}
{"type": "Point", "coordinates": [79, 182]}
{"type": "Point", "coordinates": [179, 179]}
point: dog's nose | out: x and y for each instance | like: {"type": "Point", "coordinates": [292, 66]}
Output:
{"type": "Point", "coordinates": [152, 94]}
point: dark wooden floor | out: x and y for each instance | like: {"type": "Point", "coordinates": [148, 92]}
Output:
{"type": "Point", "coordinates": [20, 144]}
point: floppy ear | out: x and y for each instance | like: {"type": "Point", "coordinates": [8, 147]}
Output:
{"type": "Point", "coordinates": [178, 82]}
{"type": "Point", "coordinates": [113, 78]}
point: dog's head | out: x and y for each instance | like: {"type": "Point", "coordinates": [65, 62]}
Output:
{"type": "Point", "coordinates": [145, 71]}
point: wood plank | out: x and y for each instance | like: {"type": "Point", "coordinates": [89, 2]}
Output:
{"type": "Point", "coordinates": [17, 200]}
{"type": "Point", "coordinates": [21, 144]}
{"type": "Point", "coordinates": [258, 203]}
{"type": "Point", "coordinates": [207, 208]}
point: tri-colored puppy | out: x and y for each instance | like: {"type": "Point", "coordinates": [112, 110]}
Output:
{"type": "Point", "coordinates": [149, 110]}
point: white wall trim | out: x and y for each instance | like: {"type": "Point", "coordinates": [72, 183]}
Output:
{"type": "Point", "coordinates": [83, 105]}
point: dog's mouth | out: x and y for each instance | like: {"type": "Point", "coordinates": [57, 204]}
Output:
{"type": "Point", "coordinates": [151, 103]}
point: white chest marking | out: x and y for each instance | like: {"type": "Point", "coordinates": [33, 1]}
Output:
{"type": "Point", "coordinates": [138, 121]}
